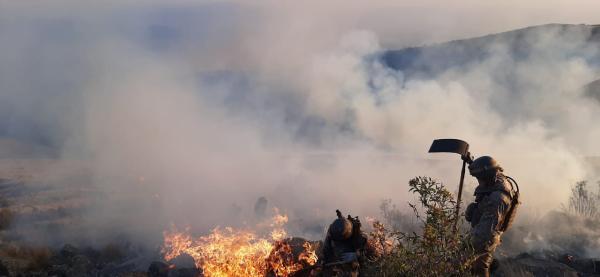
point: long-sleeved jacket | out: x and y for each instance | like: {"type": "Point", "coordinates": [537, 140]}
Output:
{"type": "Point", "coordinates": [490, 208]}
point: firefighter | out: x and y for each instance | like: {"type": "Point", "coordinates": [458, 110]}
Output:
{"type": "Point", "coordinates": [492, 213]}
{"type": "Point", "coordinates": [345, 246]}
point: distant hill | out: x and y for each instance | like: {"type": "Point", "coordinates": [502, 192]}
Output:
{"type": "Point", "coordinates": [593, 89]}
{"type": "Point", "coordinates": [429, 61]}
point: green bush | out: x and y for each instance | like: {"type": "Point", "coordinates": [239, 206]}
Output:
{"type": "Point", "coordinates": [436, 249]}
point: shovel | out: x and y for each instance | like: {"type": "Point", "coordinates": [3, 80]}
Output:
{"type": "Point", "coordinates": [459, 147]}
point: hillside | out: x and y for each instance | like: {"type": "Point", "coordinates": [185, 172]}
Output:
{"type": "Point", "coordinates": [428, 61]}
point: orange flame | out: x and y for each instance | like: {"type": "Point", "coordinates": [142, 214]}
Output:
{"type": "Point", "coordinates": [231, 252]}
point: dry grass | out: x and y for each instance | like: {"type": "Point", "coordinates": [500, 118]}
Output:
{"type": "Point", "coordinates": [584, 201]}
{"type": "Point", "coordinates": [6, 218]}
{"type": "Point", "coordinates": [36, 258]}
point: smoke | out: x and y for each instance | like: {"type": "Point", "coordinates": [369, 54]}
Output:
{"type": "Point", "coordinates": [188, 113]}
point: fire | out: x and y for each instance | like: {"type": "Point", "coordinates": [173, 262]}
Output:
{"type": "Point", "coordinates": [283, 262]}
{"type": "Point", "coordinates": [309, 255]}
{"type": "Point", "coordinates": [231, 252]}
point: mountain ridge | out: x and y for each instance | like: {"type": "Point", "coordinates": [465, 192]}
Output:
{"type": "Point", "coordinates": [430, 60]}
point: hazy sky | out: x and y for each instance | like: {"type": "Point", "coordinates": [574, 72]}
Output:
{"type": "Point", "coordinates": [405, 22]}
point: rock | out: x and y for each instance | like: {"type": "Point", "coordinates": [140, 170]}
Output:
{"type": "Point", "coordinates": [183, 261]}
{"type": "Point", "coordinates": [528, 265]}
{"type": "Point", "coordinates": [158, 269]}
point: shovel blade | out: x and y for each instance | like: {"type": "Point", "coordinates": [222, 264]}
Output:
{"type": "Point", "coordinates": [450, 146]}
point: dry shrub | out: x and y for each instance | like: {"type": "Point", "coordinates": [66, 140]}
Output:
{"type": "Point", "coordinates": [37, 258]}
{"type": "Point", "coordinates": [436, 249]}
{"type": "Point", "coordinates": [583, 201]}
{"type": "Point", "coordinates": [112, 252]}
{"type": "Point", "coordinates": [6, 218]}
{"type": "Point", "coordinates": [395, 219]}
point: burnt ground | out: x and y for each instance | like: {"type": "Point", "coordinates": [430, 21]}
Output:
{"type": "Point", "coordinates": [44, 227]}
{"type": "Point", "coordinates": [41, 198]}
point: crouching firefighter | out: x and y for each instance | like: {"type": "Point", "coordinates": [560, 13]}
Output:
{"type": "Point", "coordinates": [344, 247]}
{"type": "Point", "coordinates": [492, 213]}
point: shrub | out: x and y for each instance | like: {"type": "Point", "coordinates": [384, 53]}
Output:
{"type": "Point", "coordinates": [396, 220]}
{"type": "Point", "coordinates": [37, 258]}
{"type": "Point", "coordinates": [6, 218]}
{"type": "Point", "coordinates": [112, 252]}
{"type": "Point", "coordinates": [583, 201]}
{"type": "Point", "coordinates": [437, 250]}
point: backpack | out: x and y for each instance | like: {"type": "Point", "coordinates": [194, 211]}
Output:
{"type": "Point", "coordinates": [511, 214]}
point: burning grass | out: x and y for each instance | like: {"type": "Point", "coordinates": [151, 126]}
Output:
{"type": "Point", "coordinates": [421, 243]}
{"type": "Point", "coordinates": [235, 252]}
{"type": "Point", "coordinates": [433, 250]}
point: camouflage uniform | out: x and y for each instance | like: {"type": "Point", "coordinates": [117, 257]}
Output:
{"type": "Point", "coordinates": [349, 248]}
{"type": "Point", "coordinates": [492, 201]}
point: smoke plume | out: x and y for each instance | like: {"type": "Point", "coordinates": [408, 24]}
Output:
{"type": "Point", "coordinates": [190, 112]}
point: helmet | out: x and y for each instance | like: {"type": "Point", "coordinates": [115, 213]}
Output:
{"type": "Point", "coordinates": [340, 229]}
{"type": "Point", "coordinates": [484, 165]}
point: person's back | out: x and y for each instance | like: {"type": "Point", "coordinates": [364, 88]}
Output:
{"type": "Point", "coordinates": [344, 245]}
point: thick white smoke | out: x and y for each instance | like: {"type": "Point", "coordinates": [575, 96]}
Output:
{"type": "Point", "coordinates": [190, 112]}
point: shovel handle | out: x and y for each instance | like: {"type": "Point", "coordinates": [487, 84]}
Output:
{"type": "Point", "coordinates": [458, 200]}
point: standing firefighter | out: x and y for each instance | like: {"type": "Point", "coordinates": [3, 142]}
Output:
{"type": "Point", "coordinates": [344, 247]}
{"type": "Point", "coordinates": [492, 213]}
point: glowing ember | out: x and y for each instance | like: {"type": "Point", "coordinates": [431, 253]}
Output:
{"type": "Point", "coordinates": [230, 252]}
